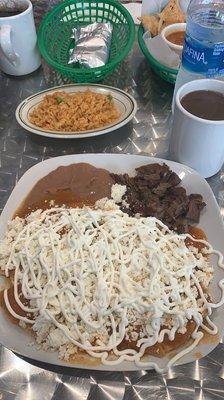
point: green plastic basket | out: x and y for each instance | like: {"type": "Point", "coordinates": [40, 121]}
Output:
{"type": "Point", "coordinates": [54, 36]}
{"type": "Point", "coordinates": [166, 73]}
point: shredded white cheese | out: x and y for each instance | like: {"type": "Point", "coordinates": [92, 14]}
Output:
{"type": "Point", "coordinates": [93, 276]}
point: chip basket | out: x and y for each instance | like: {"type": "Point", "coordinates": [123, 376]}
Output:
{"type": "Point", "coordinates": [166, 73]}
{"type": "Point", "coordinates": [54, 36]}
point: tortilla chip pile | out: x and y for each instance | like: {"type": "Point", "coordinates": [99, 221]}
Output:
{"type": "Point", "coordinates": [171, 14]}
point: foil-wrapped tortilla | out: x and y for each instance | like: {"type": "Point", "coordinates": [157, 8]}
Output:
{"type": "Point", "coordinates": [92, 45]}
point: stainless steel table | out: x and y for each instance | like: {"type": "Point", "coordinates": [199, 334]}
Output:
{"type": "Point", "coordinates": [148, 135]}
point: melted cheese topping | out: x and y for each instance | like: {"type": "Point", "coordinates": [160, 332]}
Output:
{"type": "Point", "coordinates": [93, 277]}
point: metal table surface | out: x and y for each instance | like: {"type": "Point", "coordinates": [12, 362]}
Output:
{"type": "Point", "coordinates": [147, 135]}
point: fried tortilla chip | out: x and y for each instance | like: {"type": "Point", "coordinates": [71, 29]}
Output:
{"type": "Point", "coordinates": [171, 14]}
{"type": "Point", "coordinates": [163, 25]}
{"type": "Point", "coordinates": [150, 23]}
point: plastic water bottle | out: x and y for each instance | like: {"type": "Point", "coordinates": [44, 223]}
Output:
{"type": "Point", "coordinates": [203, 52]}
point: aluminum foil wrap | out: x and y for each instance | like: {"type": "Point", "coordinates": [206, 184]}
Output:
{"type": "Point", "coordinates": [92, 45]}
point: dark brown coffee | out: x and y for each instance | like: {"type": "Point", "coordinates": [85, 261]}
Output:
{"type": "Point", "coordinates": [10, 13]}
{"type": "Point", "coordinates": [206, 104]}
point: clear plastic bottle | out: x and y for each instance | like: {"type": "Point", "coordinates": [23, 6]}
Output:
{"type": "Point", "coordinates": [203, 53]}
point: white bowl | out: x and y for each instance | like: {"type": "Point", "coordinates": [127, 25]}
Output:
{"type": "Point", "coordinates": [170, 29]}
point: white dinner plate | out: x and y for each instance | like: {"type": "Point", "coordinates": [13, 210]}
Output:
{"type": "Point", "coordinates": [125, 104]}
{"type": "Point", "coordinates": [19, 341]}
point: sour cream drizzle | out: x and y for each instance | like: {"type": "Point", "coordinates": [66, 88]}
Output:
{"type": "Point", "coordinates": [85, 270]}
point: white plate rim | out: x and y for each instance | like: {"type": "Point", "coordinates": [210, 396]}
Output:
{"type": "Point", "coordinates": [73, 135]}
{"type": "Point", "coordinates": [67, 160]}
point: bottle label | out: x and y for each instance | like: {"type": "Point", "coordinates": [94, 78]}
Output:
{"type": "Point", "coordinates": [198, 58]}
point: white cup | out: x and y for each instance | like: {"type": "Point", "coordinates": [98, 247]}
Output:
{"type": "Point", "coordinates": [197, 142]}
{"type": "Point", "coordinates": [179, 27]}
{"type": "Point", "coordinates": [18, 43]}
